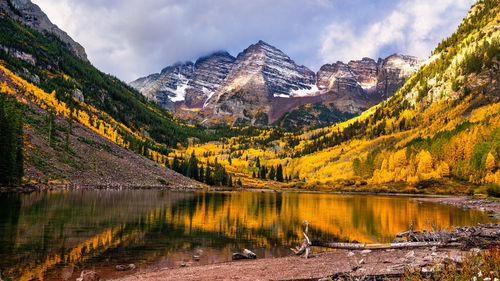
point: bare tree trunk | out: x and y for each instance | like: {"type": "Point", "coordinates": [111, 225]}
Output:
{"type": "Point", "coordinates": [482, 235]}
{"type": "Point", "coordinates": [401, 245]}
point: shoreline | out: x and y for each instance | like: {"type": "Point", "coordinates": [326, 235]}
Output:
{"type": "Point", "coordinates": [460, 201]}
{"type": "Point", "coordinates": [28, 188]}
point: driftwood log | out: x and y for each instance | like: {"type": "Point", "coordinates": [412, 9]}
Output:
{"type": "Point", "coordinates": [481, 236]}
{"type": "Point", "coordinates": [247, 254]}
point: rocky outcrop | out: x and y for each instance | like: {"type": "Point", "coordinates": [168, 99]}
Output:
{"type": "Point", "coordinates": [29, 58]}
{"type": "Point", "coordinates": [78, 95]}
{"type": "Point", "coordinates": [30, 14]}
{"type": "Point", "coordinates": [393, 72]}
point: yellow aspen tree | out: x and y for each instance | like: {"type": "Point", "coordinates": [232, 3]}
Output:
{"type": "Point", "coordinates": [400, 158]}
{"type": "Point", "coordinates": [443, 170]}
{"type": "Point", "coordinates": [424, 162]}
{"type": "Point", "coordinates": [490, 162]}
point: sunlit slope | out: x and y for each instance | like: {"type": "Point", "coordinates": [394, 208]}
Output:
{"type": "Point", "coordinates": [76, 143]}
{"type": "Point", "coordinates": [442, 124]}
{"type": "Point", "coordinates": [46, 62]}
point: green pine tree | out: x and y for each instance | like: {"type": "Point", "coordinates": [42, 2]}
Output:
{"type": "Point", "coordinates": [272, 173]}
{"type": "Point", "coordinates": [11, 141]}
{"type": "Point", "coordinates": [279, 173]}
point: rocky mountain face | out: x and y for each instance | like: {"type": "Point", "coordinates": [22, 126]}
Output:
{"type": "Point", "coordinates": [168, 86]}
{"type": "Point", "coordinates": [262, 85]}
{"type": "Point", "coordinates": [188, 84]}
{"type": "Point", "coordinates": [374, 80]}
{"type": "Point", "coordinates": [348, 89]}
{"type": "Point", "coordinates": [30, 14]}
{"type": "Point", "coordinates": [265, 67]}
{"type": "Point", "coordinates": [259, 74]}
{"type": "Point", "coordinates": [392, 74]}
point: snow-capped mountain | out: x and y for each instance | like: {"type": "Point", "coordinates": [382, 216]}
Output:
{"type": "Point", "coordinates": [189, 83]}
{"type": "Point", "coordinates": [262, 83]}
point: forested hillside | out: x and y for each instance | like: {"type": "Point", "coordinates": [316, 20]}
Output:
{"type": "Point", "coordinates": [62, 91]}
{"type": "Point", "coordinates": [442, 127]}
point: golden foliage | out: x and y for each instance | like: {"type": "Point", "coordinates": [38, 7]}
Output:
{"type": "Point", "coordinates": [490, 162]}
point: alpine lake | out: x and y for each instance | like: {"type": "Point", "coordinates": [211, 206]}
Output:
{"type": "Point", "coordinates": [55, 235]}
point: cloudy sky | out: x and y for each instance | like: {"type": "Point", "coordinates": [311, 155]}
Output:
{"type": "Point", "coordinates": [133, 38]}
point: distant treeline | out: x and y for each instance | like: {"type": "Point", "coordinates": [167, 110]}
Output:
{"type": "Point", "coordinates": [210, 173]}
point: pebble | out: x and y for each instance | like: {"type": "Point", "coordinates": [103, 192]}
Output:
{"type": "Point", "coordinates": [350, 254]}
{"type": "Point", "coordinates": [456, 259]}
{"type": "Point", "coordinates": [427, 270]}
{"type": "Point", "coordinates": [410, 255]}
{"type": "Point", "coordinates": [475, 250]}
{"type": "Point", "coordinates": [366, 251]}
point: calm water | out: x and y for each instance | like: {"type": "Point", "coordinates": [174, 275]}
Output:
{"type": "Point", "coordinates": [54, 235]}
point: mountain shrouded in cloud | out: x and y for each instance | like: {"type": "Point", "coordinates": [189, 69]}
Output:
{"type": "Point", "coordinates": [130, 39]}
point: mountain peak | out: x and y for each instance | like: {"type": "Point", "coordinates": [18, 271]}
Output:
{"type": "Point", "coordinates": [266, 46]}
{"type": "Point", "coordinates": [261, 42]}
{"type": "Point", "coordinates": [222, 54]}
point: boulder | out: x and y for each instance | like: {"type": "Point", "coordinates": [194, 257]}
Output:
{"type": "Point", "coordinates": [78, 95]}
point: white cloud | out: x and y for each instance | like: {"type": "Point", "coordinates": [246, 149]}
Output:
{"type": "Point", "coordinates": [130, 38]}
{"type": "Point", "coordinates": [413, 27]}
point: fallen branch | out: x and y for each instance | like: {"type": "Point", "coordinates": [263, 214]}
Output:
{"type": "Point", "coordinates": [247, 254]}
{"type": "Point", "coordinates": [381, 246]}
{"type": "Point", "coordinates": [482, 235]}
{"type": "Point", "coordinates": [305, 248]}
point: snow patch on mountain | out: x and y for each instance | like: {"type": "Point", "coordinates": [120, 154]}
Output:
{"type": "Point", "coordinates": [312, 90]}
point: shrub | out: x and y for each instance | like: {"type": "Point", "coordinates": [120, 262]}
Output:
{"type": "Point", "coordinates": [482, 266]}
{"type": "Point", "coordinates": [162, 181]}
{"type": "Point", "coordinates": [493, 189]}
